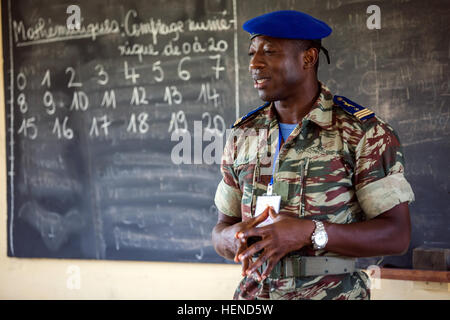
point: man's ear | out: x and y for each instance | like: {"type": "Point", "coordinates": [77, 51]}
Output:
{"type": "Point", "coordinates": [310, 57]}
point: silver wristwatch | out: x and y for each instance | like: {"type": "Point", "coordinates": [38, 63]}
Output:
{"type": "Point", "coordinates": [320, 237]}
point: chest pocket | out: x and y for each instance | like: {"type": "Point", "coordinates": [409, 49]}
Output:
{"type": "Point", "coordinates": [250, 165]}
{"type": "Point", "coordinates": [328, 187]}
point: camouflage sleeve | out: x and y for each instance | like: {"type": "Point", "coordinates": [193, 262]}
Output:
{"type": "Point", "coordinates": [228, 194]}
{"type": "Point", "coordinates": [379, 173]}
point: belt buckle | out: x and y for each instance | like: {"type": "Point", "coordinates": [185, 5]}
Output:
{"type": "Point", "coordinates": [294, 267]}
{"type": "Point", "coordinates": [277, 271]}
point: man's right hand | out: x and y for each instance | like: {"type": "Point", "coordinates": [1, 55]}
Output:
{"type": "Point", "coordinates": [242, 243]}
{"type": "Point", "coordinates": [225, 236]}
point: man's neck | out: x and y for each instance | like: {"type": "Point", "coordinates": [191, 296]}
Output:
{"type": "Point", "coordinates": [294, 109]}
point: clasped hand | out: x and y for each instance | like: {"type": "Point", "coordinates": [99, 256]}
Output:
{"type": "Point", "coordinates": [284, 235]}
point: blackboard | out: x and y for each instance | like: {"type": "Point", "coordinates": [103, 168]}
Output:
{"type": "Point", "coordinates": [96, 117]}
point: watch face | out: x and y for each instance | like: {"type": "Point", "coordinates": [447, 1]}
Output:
{"type": "Point", "coordinates": [321, 238]}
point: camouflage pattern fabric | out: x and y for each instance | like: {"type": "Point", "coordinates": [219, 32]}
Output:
{"type": "Point", "coordinates": [333, 167]}
{"type": "Point", "coordinates": [331, 287]}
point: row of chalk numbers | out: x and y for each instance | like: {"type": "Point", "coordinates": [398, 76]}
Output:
{"type": "Point", "coordinates": [138, 123]}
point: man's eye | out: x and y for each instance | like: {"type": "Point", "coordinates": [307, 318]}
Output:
{"type": "Point", "coordinates": [269, 51]}
{"type": "Point", "coordinates": [251, 53]}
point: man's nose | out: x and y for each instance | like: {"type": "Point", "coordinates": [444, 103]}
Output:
{"type": "Point", "coordinates": [256, 62]}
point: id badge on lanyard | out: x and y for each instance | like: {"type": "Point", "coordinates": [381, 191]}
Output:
{"type": "Point", "coordinates": [269, 199]}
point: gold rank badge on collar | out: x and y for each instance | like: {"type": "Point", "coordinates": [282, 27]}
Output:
{"type": "Point", "coordinates": [353, 108]}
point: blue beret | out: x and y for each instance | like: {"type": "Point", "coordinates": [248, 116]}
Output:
{"type": "Point", "coordinates": [288, 24]}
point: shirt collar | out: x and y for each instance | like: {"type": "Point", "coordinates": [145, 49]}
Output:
{"type": "Point", "coordinates": [322, 110]}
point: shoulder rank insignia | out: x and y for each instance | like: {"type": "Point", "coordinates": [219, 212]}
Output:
{"type": "Point", "coordinates": [248, 115]}
{"type": "Point", "coordinates": [355, 109]}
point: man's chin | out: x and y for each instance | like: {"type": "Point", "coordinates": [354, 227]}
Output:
{"type": "Point", "coordinates": [266, 98]}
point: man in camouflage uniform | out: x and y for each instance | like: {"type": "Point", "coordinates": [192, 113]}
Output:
{"type": "Point", "coordinates": [339, 174]}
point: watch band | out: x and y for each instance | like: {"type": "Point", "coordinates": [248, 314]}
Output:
{"type": "Point", "coordinates": [319, 226]}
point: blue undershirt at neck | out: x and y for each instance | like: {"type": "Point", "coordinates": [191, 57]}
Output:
{"type": "Point", "coordinates": [286, 129]}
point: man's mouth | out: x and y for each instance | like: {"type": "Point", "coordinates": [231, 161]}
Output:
{"type": "Point", "coordinates": [260, 83]}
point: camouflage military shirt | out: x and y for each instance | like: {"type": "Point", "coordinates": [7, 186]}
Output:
{"type": "Point", "coordinates": [333, 167]}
